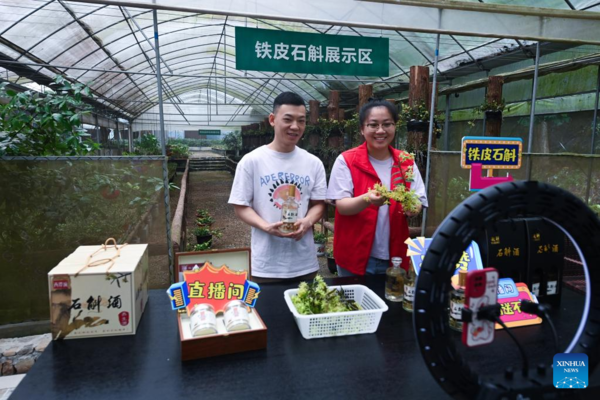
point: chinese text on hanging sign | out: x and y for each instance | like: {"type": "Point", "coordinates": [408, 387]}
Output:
{"type": "Point", "coordinates": [280, 51]}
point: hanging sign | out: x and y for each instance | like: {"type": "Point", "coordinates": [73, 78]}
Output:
{"type": "Point", "coordinates": [282, 51]}
{"type": "Point", "coordinates": [490, 153]}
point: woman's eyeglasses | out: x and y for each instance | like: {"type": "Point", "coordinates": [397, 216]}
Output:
{"type": "Point", "coordinates": [385, 125]}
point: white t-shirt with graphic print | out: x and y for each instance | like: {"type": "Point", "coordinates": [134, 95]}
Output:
{"type": "Point", "coordinates": [262, 179]}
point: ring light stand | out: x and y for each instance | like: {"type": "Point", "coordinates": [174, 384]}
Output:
{"type": "Point", "coordinates": [464, 224]}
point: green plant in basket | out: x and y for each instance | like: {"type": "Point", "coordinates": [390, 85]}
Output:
{"type": "Point", "coordinates": [316, 298]}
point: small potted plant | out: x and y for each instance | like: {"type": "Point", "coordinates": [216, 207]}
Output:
{"type": "Point", "coordinates": [330, 260]}
{"type": "Point", "coordinates": [204, 234]}
{"type": "Point", "coordinates": [320, 240]}
{"type": "Point", "coordinates": [202, 212]}
{"type": "Point", "coordinates": [205, 221]}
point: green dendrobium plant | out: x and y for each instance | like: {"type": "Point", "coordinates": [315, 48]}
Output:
{"type": "Point", "coordinates": [45, 124]}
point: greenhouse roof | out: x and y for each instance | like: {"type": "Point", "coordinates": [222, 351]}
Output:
{"type": "Point", "coordinates": [109, 45]}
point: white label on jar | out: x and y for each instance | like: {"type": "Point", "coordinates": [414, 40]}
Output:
{"type": "Point", "coordinates": [290, 215]}
{"type": "Point", "coordinates": [409, 293]}
{"type": "Point", "coordinates": [203, 320]}
{"type": "Point", "coordinates": [237, 315]}
{"type": "Point", "coordinates": [535, 288]}
{"type": "Point", "coordinates": [551, 287]}
{"type": "Point", "coordinates": [456, 310]}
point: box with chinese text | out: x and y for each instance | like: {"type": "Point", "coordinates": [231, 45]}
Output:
{"type": "Point", "coordinates": [99, 291]}
{"type": "Point", "coordinates": [222, 341]}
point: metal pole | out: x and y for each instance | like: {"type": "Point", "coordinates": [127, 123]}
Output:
{"type": "Point", "coordinates": [532, 115]}
{"type": "Point", "coordinates": [431, 115]}
{"type": "Point", "coordinates": [163, 147]}
{"type": "Point", "coordinates": [447, 124]}
{"type": "Point", "coordinates": [593, 146]}
{"type": "Point", "coordinates": [130, 136]}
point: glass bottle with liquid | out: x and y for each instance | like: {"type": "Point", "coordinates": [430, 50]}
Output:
{"type": "Point", "coordinates": [289, 211]}
{"type": "Point", "coordinates": [394, 281]}
{"type": "Point", "coordinates": [409, 289]}
{"type": "Point", "coordinates": [457, 303]}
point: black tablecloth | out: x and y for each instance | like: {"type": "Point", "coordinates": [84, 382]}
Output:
{"type": "Point", "coordinates": [385, 364]}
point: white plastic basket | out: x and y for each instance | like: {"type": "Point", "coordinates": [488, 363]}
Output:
{"type": "Point", "coordinates": [341, 323]}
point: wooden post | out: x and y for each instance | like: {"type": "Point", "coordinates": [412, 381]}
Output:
{"type": "Point", "coordinates": [314, 111]}
{"type": "Point", "coordinates": [493, 121]}
{"type": "Point", "coordinates": [364, 93]}
{"type": "Point", "coordinates": [418, 86]}
{"type": "Point", "coordinates": [334, 105]}
{"type": "Point", "coordinates": [418, 90]}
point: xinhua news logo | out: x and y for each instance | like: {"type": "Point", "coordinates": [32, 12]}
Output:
{"type": "Point", "coordinates": [570, 371]}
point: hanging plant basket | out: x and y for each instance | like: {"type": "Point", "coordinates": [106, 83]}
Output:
{"type": "Point", "coordinates": [417, 126]}
{"type": "Point", "coordinates": [493, 115]}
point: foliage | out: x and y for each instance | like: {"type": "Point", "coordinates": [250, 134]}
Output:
{"type": "Point", "coordinates": [420, 113]}
{"type": "Point", "coordinates": [205, 221]}
{"type": "Point", "coordinates": [179, 150]}
{"type": "Point", "coordinates": [233, 141]}
{"type": "Point", "coordinates": [36, 124]}
{"type": "Point", "coordinates": [73, 203]}
{"type": "Point", "coordinates": [196, 142]}
{"type": "Point", "coordinates": [202, 246]}
{"type": "Point", "coordinates": [202, 212]}
{"type": "Point", "coordinates": [147, 146]}
{"type": "Point", "coordinates": [492, 106]}
{"type": "Point", "coordinates": [317, 298]}
{"type": "Point", "coordinates": [329, 252]}
{"type": "Point", "coordinates": [320, 237]}
{"type": "Point", "coordinates": [206, 231]}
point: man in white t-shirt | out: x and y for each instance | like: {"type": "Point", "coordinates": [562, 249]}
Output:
{"type": "Point", "coordinates": [261, 184]}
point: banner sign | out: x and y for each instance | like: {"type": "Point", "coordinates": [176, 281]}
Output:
{"type": "Point", "coordinates": [491, 153]}
{"type": "Point", "coordinates": [209, 132]}
{"type": "Point", "coordinates": [215, 286]}
{"type": "Point", "coordinates": [310, 53]}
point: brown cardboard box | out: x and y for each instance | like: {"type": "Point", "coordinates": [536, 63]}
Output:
{"type": "Point", "coordinates": [91, 296]}
{"type": "Point", "coordinates": [222, 342]}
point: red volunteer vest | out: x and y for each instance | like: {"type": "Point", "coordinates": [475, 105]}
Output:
{"type": "Point", "coordinates": [354, 234]}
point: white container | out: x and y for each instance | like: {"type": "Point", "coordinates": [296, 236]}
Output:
{"type": "Point", "coordinates": [341, 323]}
{"type": "Point", "coordinates": [91, 297]}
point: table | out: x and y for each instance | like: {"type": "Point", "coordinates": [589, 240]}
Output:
{"type": "Point", "coordinates": [148, 365]}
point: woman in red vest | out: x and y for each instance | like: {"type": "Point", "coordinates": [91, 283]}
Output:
{"type": "Point", "coordinates": [367, 232]}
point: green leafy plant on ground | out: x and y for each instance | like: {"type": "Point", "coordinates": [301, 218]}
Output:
{"type": "Point", "coordinates": [233, 141]}
{"type": "Point", "coordinates": [179, 150]}
{"type": "Point", "coordinates": [320, 237]}
{"type": "Point", "coordinates": [50, 124]}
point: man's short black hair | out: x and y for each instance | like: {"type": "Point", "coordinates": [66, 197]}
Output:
{"type": "Point", "coordinates": [365, 110]}
{"type": "Point", "coordinates": [289, 98]}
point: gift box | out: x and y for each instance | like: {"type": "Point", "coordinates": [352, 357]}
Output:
{"type": "Point", "coordinates": [222, 342]}
{"type": "Point", "coordinates": [99, 291]}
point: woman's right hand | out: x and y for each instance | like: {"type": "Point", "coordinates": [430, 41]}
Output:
{"type": "Point", "coordinates": [373, 197]}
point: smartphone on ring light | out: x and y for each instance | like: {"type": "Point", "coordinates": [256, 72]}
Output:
{"type": "Point", "coordinates": [481, 290]}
